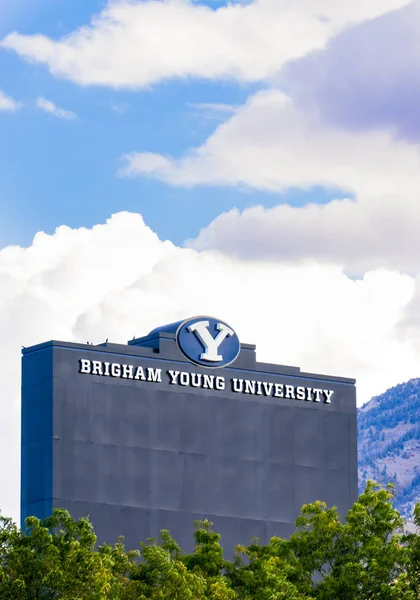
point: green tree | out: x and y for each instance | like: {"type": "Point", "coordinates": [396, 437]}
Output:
{"type": "Point", "coordinates": [366, 557]}
{"type": "Point", "coordinates": [362, 559]}
{"type": "Point", "coordinates": [161, 574]}
{"type": "Point", "coordinates": [269, 572]}
{"type": "Point", "coordinates": [413, 566]}
{"type": "Point", "coordinates": [56, 560]}
{"type": "Point", "coordinates": [166, 573]}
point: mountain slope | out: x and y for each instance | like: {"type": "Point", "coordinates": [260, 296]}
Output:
{"type": "Point", "coordinates": [389, 442]}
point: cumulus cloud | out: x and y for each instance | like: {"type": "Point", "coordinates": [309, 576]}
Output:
{"type": "Point", "coordinates": [7, 103]}
{"type": "Point", "coordinates": [49, 107]}
{"type": "Point", "coordinates": [137, 43]}
{"type": "Point", "coordinates": [367, 77]}
{"type": "Point", "coordinates": [115, 281]}
{"type": "Point", "coordinates": [271, 144]}
{"type": "Point", "coordinates": [362, 235]}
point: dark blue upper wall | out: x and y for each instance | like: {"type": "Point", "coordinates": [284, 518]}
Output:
{"type": "Point", "coordinates": [36, 433]}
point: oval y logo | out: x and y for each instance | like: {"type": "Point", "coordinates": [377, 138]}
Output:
{"type": "Point", "coordinates": [208, 342]}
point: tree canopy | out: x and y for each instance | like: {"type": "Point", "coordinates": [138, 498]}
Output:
{"type": "Point", "coordinates": [368, 556]}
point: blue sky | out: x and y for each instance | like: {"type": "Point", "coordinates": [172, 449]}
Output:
{"type": "Point", "coordinates": [55, 172]}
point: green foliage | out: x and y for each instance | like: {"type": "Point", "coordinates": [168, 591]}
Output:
{"type": "Point", "coordinates": [413, 559]}
{"type": "Point", "coordinates": [366, 557]}
{"type": "Point", "coordinates": [56, 560]}
{"type": "Point", "coordinates": [161, 574]}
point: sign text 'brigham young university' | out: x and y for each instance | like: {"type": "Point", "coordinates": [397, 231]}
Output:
{"type": "Point", "coordinates": [210, 343]}
{"type": "Point", "coordinates": [204, 381]}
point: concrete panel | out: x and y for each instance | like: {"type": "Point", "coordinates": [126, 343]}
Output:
{"type": "Point", "coordinates": [279, 493]}
{"type": "Point", "coordinates": [111, 520]}
{"type": "Point", "coordinates": [311, 484]}
{"type": "Point", "coordinates": [309, 437]}
{"type": "Point", "coordinates": [238, 428]}
{"type": "Point", "coordinates": [279, 434]}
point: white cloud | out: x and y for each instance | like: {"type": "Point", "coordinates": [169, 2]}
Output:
{"type": "Point", "coordinates": [213, 106]}
{"type": "Point", "coordinates": [137, 43]}
{"type": "Point", "coordinates": [212, 110]}
{"type": "Point", "coordinates": [49, 107]}
{"type": "Point", "coordinates": [269, 144]}
{"type": "Point", "coordinates": [7, 103]}
{"type": "Point", "coordinates": [118, 109]}
{"type": "Point", "coordinates": [114, 280]}
{"type": "Point", "coordinates": [366, 78]}
{"type": "Point", "coordinates": [363, 235]}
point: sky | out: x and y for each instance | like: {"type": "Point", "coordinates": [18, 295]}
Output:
{"type": "Point", "coordinates": [254, 160]}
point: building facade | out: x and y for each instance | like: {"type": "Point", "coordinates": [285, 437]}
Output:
{"type": "Point", "coordinates": [181, 425]}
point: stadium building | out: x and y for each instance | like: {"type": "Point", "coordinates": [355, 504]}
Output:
{"type": "Point", "coordinates": [179, 425]}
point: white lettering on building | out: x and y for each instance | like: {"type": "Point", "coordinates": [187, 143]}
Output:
{"type": "Point", "coordinates": [188, 379]}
